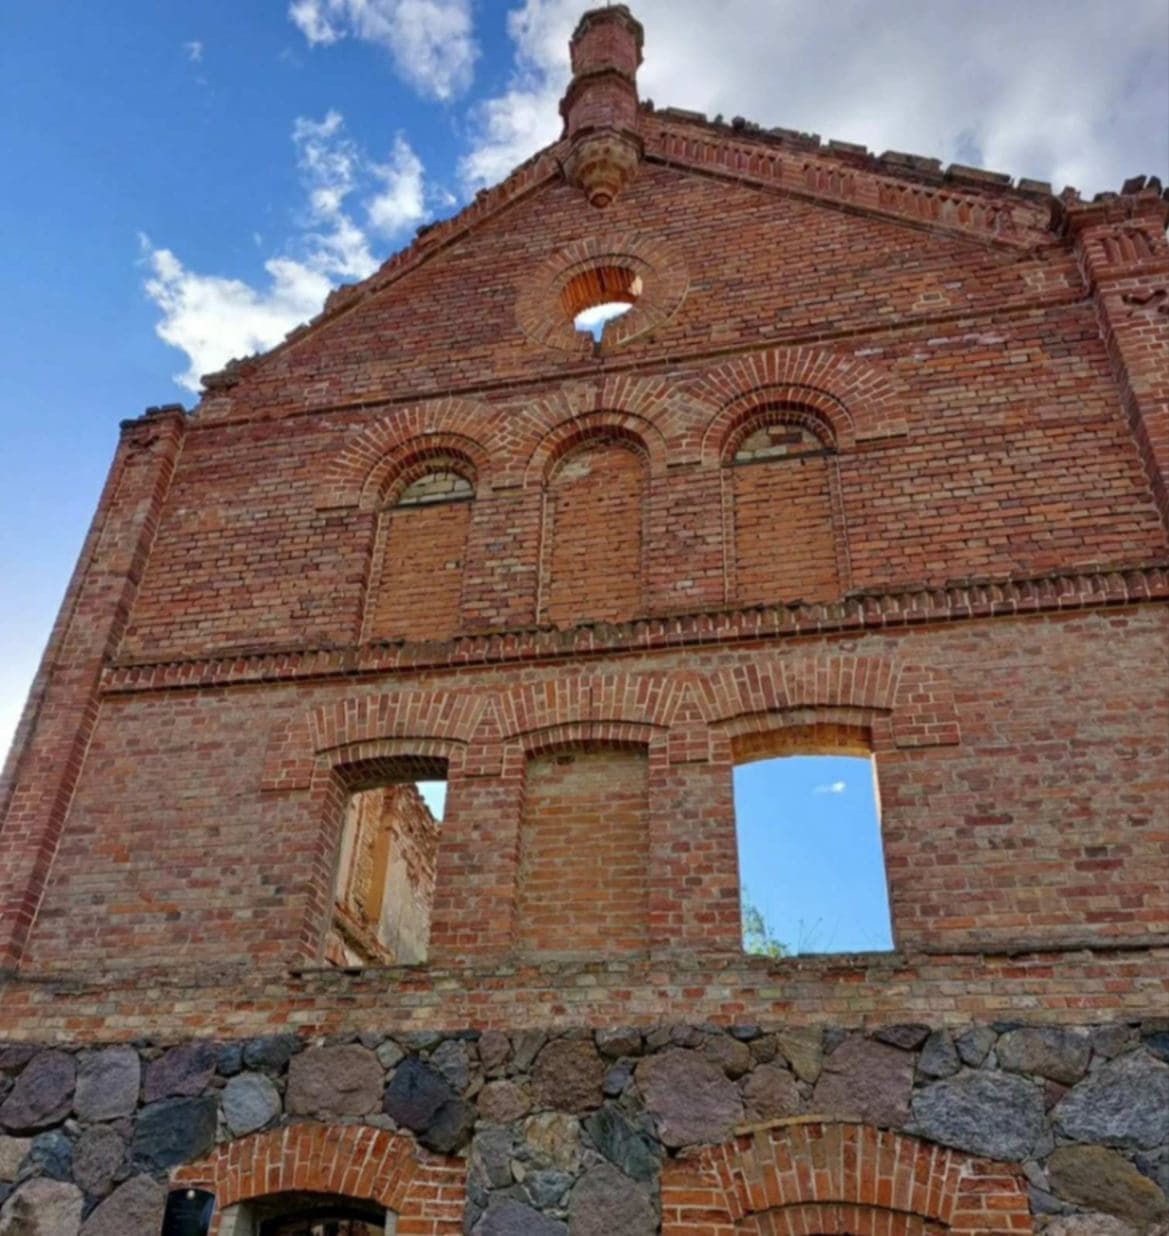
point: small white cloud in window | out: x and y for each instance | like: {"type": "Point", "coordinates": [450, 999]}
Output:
{"type": "Point", "coordinates": [837, 787]}
{"type": "Point", "coordinates": [194, 50]}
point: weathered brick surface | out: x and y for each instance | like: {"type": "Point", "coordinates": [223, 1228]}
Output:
{"type": "Point", "coordinates": [1015, 825]}
{"type": "Point", "coordinates": [584, 855]}
{"type": "Point", "coordinates": [874, 462]}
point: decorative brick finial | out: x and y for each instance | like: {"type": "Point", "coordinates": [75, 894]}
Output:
{"type": "Point", "coordinates": [600, 105]}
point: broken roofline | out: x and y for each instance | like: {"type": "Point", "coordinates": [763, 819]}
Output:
{"type": "Point", "coordinates": [981, 187]}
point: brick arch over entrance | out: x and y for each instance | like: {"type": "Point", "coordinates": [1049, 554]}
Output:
{"type": "Point", "coordinates": [427, 1192]}
{"type": "Point", "coordinates": [807, 1179]}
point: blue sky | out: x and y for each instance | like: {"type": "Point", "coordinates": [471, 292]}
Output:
{"type": "Point", "coordinates": [183, 182]}
{"type": "Point", "coordinates": [810, 853]}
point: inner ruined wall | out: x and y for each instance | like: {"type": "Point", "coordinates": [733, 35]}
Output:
{"type": "Point", "coordinates": [384, 888]}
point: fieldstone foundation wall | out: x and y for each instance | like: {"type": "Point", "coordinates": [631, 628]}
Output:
{"type": "Point", "coordinates": [570, 1133]}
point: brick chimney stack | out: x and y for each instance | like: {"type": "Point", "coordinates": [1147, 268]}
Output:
{"type": "Point", "coordinates": [600, 105]}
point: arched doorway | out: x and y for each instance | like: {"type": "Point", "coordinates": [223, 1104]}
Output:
{"type": "Point", "coordinates": [310, 1214]}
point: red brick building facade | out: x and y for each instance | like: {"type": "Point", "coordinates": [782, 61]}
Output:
{"type": "Point", "coordinates": [874, 462]}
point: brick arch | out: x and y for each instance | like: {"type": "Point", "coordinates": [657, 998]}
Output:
{"type": "Point", "coordinates": [613, 699]}
{"type": "Point", "coordinates": [577, 735]}
{"type": "Point", "coordinates": [859, 400]}
{"type": "Point", "coordinates": [750, 412]}
{"type": "Point", "coordinates": [579, 429]}
{"type": "Point", "coordinates": [427, 1192]}
{"type": "Point", "coordinates": [414, 459]}
{"type": "Point", "coordinates": [918, 700]}
{"type": "Point", "coordinates": [795, 1178]}
{"type": "Point", "coordinates": [368, 461]}
{"type": "Point", "coordinates": [369, 726]}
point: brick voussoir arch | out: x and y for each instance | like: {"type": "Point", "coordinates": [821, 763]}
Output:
{"type": "Point", "coordinates": [795, 1177]}
{"type": "Point", "coordinates": [859, 400]}
{"type": "Point", "coordinates": [579, 429]}
{"type": "Point", "coordinates": [427, 1192]}
{"type": "Point", "coordinates": [432, 722]}
{"type": "Point", "coordinates": [366, 464]}
{"type": "Point", "coordinates": [918, 699]}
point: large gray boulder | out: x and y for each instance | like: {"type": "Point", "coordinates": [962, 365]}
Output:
{"type": "Point", "coordinates": [691, 1100]}
{"type": "Point", "coordinates": [991, 1114]}
{"type": "Point", "coordinates": [1047, 1051]}
{"type": "Point", "coordinates": [135, 1208]}
{"type": "Point", "coordinates": [865, 1080]}
{"type": "Point", "coordinates": [42, 1207]}
{"type": "Point", "coordinates": [182, 1072]}
{"type": "Point", "coordinates": [328, 1082]}
{"type": "Point", "coordinates": [1097, 1178]}
{"type": "Point", "coordinates": [1125, 1102]}
{"type": "Point", "coordinates": [508, 1217]}
{"type": "Point", "coordinates": [42, 1095]}
{"type": "Point", "coordinates": [604, 1201]}
{"type": "Point", "coordinates": [173, 1131]}
{"type": "Point", "coordinates": [250, 1101]}
{"type": "Point", "coordinates": [97, 1157]}
{"type": "Point", "coordinates": [107, 1084]}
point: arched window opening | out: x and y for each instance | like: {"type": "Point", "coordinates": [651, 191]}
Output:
{"type": "Point", "coordinates": [584, 853]}
{"type": "Point", "coordinates": [784, 531]}
{"type": "Point", "coordinates": [811, 864]}
{"type": "Point", "coordinates": [416, 592]}
{"type": "Point", "coordinates": [383, 891]}
{"type": "Point", "coordinates": [596, 499]}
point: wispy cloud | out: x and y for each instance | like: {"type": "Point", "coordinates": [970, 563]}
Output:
{"type": "Point", "coordinates": [430, 41]}
{"type": "Point", "coordinates": [194, 50]}
{"type": "Point", "coordinates": [982, 82]}
{"type": "Point", "coordinates": [213, 318]}
{"type": "Point", "coordinates": [835, 787]}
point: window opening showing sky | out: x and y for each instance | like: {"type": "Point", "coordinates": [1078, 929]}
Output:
{"type": "Point", "coordinates": [810, 856]}
{"type": "Point", "coordinates": [593, 320]}
{"type": "Point", "coordinates": [434, 796]}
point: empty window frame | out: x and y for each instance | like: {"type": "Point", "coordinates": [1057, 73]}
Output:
{"type": "Point", "coordinates": [383, 891]}
{"type": "Point", "coordinates": [811, 863]}
{"type": "Point", "coordinates": [417, 581]}
{"type": "Point", "coordinates": [783, 529]}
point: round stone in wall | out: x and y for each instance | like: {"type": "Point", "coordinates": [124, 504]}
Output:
{"type": "Point", "coordinates": [250, 1101]}
{"type": "Point", "coordinates": [692, 1100]}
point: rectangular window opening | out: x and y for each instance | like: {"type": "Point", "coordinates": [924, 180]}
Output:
{"type": "Point", "coordinates": [384, 888]}
{"type": "Point", "coordinates": [811, 865]}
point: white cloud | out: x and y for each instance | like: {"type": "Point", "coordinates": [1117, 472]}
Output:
{"type": "Point", "coordinates": [402, 200]}
{"type": "Point", "coordinates": [430, 41]}
{"type": "Point", "coordinates": [194, 50]}
{"type": "Point", "coordinates": [1056, 90]}
{"type": "Point", "coordinates": [213, 318]}
{"type": "Point", "coordinates": [837, 787]}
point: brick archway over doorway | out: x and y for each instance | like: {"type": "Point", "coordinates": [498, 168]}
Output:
{"type": "Point", "coordinates": [426, 1192]}
{"type": "Point", "coordinates": [813, 1178]}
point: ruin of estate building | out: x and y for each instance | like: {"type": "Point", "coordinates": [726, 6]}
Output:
{"type": "Point", "coordinates": [873, 463]}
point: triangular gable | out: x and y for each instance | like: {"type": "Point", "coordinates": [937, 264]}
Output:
{"type": "Point", "coordinates": [965, 204]}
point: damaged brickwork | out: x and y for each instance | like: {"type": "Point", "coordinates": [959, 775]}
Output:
{"type": "Point", "coordinates": [874, 461]}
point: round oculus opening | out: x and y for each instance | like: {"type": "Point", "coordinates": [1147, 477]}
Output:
{"type": "Point", "coordinates": [597, 296]}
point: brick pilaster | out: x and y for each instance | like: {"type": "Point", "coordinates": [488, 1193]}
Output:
{"type": "Point", "coordinates": [50, 744]}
